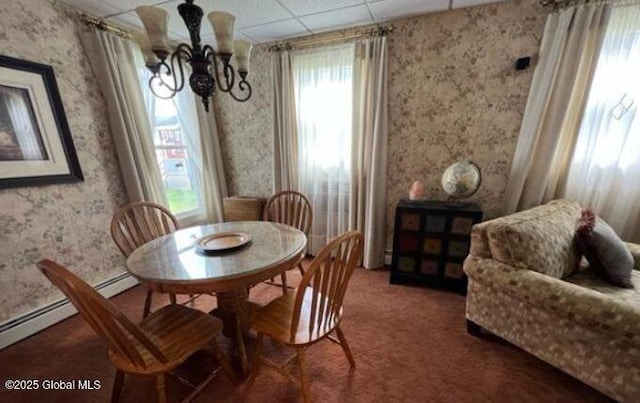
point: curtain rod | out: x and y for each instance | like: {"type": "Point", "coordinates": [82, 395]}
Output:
{"type": "Point", "coordinates": [94, 22]}
{"type": "Point", "coordinates": [323, 39]}
{"type": "Point", "coordinates": [558, 4]}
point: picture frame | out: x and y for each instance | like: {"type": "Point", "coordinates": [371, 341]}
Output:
{"type": "Point", "coordinates": [36, 147]}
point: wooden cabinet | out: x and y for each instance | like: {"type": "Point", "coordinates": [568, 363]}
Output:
{"type": "Point", "coordinates": [431, 241]}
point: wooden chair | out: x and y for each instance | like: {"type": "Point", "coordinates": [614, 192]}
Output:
{"type": "Point", "coordinates": [314, 311]}
{"type": "Point", "coordinates": [163, 340]}
{"type": "Point", "coordinates": [291, 208]}
{"type": "Point", "coordinates": [137, 223]}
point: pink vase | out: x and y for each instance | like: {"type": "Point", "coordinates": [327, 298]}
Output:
{"type": "Point", "coordinates": [416, 192]}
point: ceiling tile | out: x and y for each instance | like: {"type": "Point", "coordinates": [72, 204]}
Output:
{"type": "Point", "coordinates": [248, 12]}
{"type": "Point", "coordinates": [241, 36]}
{"type": "Point", "coordinates": [211, 39]}
{"type": "Point", "coordinates": [95, 7]}
{"type": "Point", "coordinates": [351, 16]}
{"type": "Point", "coordinates": [304, 7]}
{"type": "Point", "coordinates": [276, 31]}
{"type": "Point", "coordinates": [469, 3]}
{"type": "Point", "coordinates": [391, 9]}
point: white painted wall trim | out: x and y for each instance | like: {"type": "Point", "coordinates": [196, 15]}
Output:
{"type": "Point", "coordinates": [388, 255]}
{"type": "Point", "coordinates": [20, 328]}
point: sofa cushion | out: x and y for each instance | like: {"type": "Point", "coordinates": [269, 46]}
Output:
{"type": "Point", "coordinates": [607, 254]}
{"type": "Point", "coordinates": [589, 279]}
{"type": "Point", "coordinates": [539, 239]}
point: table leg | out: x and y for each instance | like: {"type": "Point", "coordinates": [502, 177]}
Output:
{"type": "Point", "coordinates": [233, 309]}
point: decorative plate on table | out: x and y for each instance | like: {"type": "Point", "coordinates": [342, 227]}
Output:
{"type": "Point", "coordinates": [461, 180]}
{"type": "Point", "coordinates": [222, 241]}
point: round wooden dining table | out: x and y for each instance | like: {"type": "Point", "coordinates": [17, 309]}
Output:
{"type": "Point", "coordinates": [173, 264]}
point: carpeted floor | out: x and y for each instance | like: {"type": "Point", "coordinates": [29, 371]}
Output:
{"type": "Point", "coordinates": [410, 345]}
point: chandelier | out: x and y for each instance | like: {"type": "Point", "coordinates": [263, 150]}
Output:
{"type": "Point", "coordinates": [210, 69]}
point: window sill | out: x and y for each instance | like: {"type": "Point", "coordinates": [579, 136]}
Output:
{"type": "Point", "coordinates": [191, 218]}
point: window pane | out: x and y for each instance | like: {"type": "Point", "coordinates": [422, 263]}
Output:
{"type": "Point", "coordinates": [173, 159]}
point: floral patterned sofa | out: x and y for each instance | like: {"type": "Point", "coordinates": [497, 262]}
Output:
{"type": "Point", "coordinates": [526, 285]}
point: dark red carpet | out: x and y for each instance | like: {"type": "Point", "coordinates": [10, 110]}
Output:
{"type": "Point", "coordinates": [410, 345]}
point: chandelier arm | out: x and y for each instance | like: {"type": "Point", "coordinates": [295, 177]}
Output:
{"type": "Point", "coordinates": [244, 86]}
{"type": "Point", "coordinates": [181, 54]}
{"type": "Point", "coordinates": [213, 59]}
{"type": "Point", "coordinates": [229, 75]}
{"type": "Point", "coordinates": [162, 68]}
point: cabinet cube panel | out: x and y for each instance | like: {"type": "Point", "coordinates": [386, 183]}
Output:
{"type": "Point", "coordinates": [429, 267]}
{"type": "Point", "coordinates": [453, 270]}
{"type": "Point", "coordinates": [433, 246]}
{"type": "Point", "coordinates": [458, 248]}
{"type": "Point", "coordinates": [461, 225]}
{"type": "Point", "coordinates": [406, 264]}
{"type": "Point", "coordinates": [408, 243]}
{"type": "Point", "coordinates": [435, 223]}
{"type": "Point", "coordinates": [411, 222]}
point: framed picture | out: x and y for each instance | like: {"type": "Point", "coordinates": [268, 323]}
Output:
{"type": "Point", "coordinates": [35, 142]}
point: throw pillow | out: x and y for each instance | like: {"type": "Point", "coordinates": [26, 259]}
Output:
{"type": "Point", "coordinates": [607, 254]}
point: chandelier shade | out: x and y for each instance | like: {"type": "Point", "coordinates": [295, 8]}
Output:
{"type": "Point", "coordinates": [210, 69]}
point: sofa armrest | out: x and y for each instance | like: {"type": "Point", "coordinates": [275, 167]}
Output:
{"type": "Point", "coordinates": [590, 308]}
{"type": "Point", "coordinates": [634, 248]}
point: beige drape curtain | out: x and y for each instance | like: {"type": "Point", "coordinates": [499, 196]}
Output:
{"type": "Point", "coordinates": [555, 106]}
{"type": "Point", "coordinates": [369, 170]}
{"type": "Point", "coordinates": [285, 136]}
{"type": "Point", "coordinates": [113, 62]}
{"type": "Point", "coordinates": [214, 183]}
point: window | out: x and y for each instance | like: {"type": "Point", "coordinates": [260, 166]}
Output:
{"type": "Point", "coordinates": [179, 176]}
{"type": "Point", "coordinates": [610, 131]}
{"type": "Point", "coordinates": [323, 82]}
{"type": "Point", "coordinates": [176, 138]}
{"type": "Point", "coordinates": [604, 172]}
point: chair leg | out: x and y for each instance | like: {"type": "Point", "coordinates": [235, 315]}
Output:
{"type": "Point", "coordinates": [117, 386]}
{"type": "Point", "coordinates": [304, 377]}
{"type": "Point", "coordinates": [345, 347]}
{"type": "Point", "coordinates": [301, 268]}
{"type": "Point", "coordinates": [283, 278]}
{"type": "Point", "coordinates": [256, 359]}
{"type": "Point", "coordinates": [162, 396]}
{"type": "Point", "coordinates": [172, 298]}
{"type": "Point", "coordinates": [147, 304]}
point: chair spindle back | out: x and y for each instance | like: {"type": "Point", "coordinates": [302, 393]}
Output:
{"type": "Point", "coordinates": [327, 277]}
{"type": "Point", "coordinates": [291, 208]}
{"type": "Point", "coordinates": [137, 223]}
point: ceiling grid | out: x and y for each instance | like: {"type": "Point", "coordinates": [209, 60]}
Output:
{"type": "Point", "coordinates": [271, 20]}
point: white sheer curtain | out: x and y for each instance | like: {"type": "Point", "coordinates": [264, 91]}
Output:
{"type": "Point", "coordinates": [323, 81]}
{"type": "Point", "coordinates": [185, 104]}
{"type": "Point", "coordinates": [605, 169]}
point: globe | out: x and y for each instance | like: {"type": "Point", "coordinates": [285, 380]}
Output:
{"type": "Point", "coordinates": [461, 179]}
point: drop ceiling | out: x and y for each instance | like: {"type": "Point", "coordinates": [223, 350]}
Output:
{"type": "Point", "coordinates": [270, 20]}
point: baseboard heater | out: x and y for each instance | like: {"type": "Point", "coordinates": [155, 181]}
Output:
{"type": "Point", "coordinates": [20, 328]}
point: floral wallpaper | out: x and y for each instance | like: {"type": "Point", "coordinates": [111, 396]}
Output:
{"type": "Point", "coordinates": [454, 94]}
{"type": "Point", "coordinates": [67, 223]}
{"type": "Point", "coordinates": [246, 132]}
